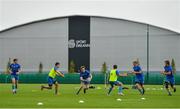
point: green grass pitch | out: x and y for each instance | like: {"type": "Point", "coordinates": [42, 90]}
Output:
{"type": "Point", "coordinates": [30, 94]}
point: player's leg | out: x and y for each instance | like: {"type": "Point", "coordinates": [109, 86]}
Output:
{"type": "Point", "coordinates": [138, 86]}
{"type": "Point", "coordinates": [120, 89]}
{"type": "Point", "coordinates": [50, 84]}
{"type": "Point", "coordinates": [86, 86]}
{"type": "Point", "coordinates": [56, 87]}
{"type": "Point", "coordinates": [143, 89]}
{"type": "Point", "coordinates": [81, 87]}
{"type": "Point", "coordinates": [13, 84]}
{"type": "Point", "coordinates": [111, 87]}
{"type": "Point", "coordinates": [16, 81]}
{"type": "Point", "coordinates": [167, 87]}
{"type": "Point", "coordinates": [172, 84]}
{"type": "Point", "coordinates": [141, 83]}
{"type": "Point", "coordinates": [46, 87]}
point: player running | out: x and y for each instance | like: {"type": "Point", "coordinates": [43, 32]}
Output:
{"type": "Point", "coordinates": [114, 82]}
{"type": "Point", "coordinates": [14, 70]}
{"type": "Point", "coordinates": [85, 78]}
{"type": "Point", "coordinates": [169, 77]}
{"type": "Point", "coordinates": [51, 78]}
{"type": "Point", "coordinates": [139, 77]}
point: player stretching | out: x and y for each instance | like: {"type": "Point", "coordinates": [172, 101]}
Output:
{"type": "Point", "coordinates": [113, 80]}
{"type": "Point", "coordinates": [139, 77]}
{"type": "Point", "coordinates": [51, 78]}
{"type": "Point", "coordinates": [169, 77]}
{"type": "Point", "coordinates": [14, 70]}
{"type": "Point", "coordinates": [85, 78]}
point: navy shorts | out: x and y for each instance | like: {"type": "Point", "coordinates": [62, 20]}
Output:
{"type": "Point", "coordinates": [16, 77]}
{"type": "Point", "coordinates": [51, 81]}
{"type": "Point", "coordinates": [138, 81]}
{"type": "Point", "coordinates": [85, 82]}
{"type": "Point", "coordinates": [112, 83]}
{"type": "Point", "coordinates": [170, 81]}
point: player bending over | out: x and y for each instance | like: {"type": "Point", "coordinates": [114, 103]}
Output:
{"type": "Point", "coordinates": [169, 77]}
{"type": "Point", "coordinates": [139, 77]}
{"type": "Point", "coordinates": [51, 78]}
{"type": "Point", "coordinates": [113, 80]}
{"type": "Point", "coordinates": [14, 70]}
{"type": "Point", "coordinates": [85, 78]}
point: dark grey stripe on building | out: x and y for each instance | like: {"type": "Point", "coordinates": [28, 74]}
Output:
{"type": "Point", "coordinates": [79, 41]}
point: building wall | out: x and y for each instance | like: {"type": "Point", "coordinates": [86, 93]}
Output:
{"type": "Point", "coordinates": [117, 42]}
{"type": "Point", "coordinates": [163, 45]}
{"type": "Point", "coordinates": [45, 42]}
{"type": "Point", "coordinates": [112, 41]}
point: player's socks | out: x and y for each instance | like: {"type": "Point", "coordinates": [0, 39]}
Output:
{"type": "Point", "coordinates": [56, 91]}
{"type": "Point", "coordinates": [92, 87]}
{"type": "Point", "coordinates": [125, 88]}
{"type": "Point", "coordinates": [174, 89]}
{"type": "Point", "coordinates": [16, 86]}
{"type": "Point", "coordinates": [120, 89]}
{"type": "Point", "coordinates": [169, 93]}
{"type": "Point", "coordinates": [84, 90]}
{"type": "Point", "coordinates": [13, 87]}
{"type": "Point", "coordinates": [79, 90]}
{"type": "Point", "coordinates": [140, 91]}
{"type": "Point", "coordinates": [110, 89]}
{"type": "Point", "coordinates": [143, 90]}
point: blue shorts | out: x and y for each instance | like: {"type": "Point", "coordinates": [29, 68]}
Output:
{"type": "Point", "coordinates": [85, 82]}
{"type": "Point", "coordinates": [16, 77]}
{"type": "Point", "coordinates": [112, 83]}
{"type": "Point", "coordinates": [170, 81]}
{"type": "Point", "coordinates": [139, 81]}
{"type": "Point", "coordinates": [51, 81]}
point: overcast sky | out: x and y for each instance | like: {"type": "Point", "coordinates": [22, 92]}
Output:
{"type": "Point", "coordinates": [163, 13]}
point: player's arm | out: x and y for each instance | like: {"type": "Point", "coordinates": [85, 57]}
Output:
{"type": "Point", "coordinates": [123, 74]}
{"type": "Point", "coordinates": [81, 79]}
{"type": "Point", "coordinates": [90, 77]}
{"type": "Point", "coordinates": [19, 70]}
{"type": "Point", "coordinates": [59, 73]}
{"type": "Point", "coordinates": [166, 73]}
{"type": "Point", "coordinates": [10, 69]}
{"type": "Point", "coordinates": [137, 72]}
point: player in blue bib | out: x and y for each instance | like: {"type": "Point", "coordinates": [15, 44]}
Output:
{"type": "Point", "coordinates": [85, 78]}
{"type": "Point", "coordinates": [169, 80]}
{"type": "Point", "coordinates": [14, 70]}
{"type": "Point", "coordinates": [139, 77]}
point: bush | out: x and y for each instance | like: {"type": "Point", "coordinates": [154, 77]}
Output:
{"type": "Point", "coordinates": [72, 67]}
{"type": "Point", "coordinates": [40, 67]}
{"type": "Point", "coordinates": [173, 65]}
{"type": "Point", "coordinates": [104, 68]}
{"type": "Point", "coordinates": [8, 66]}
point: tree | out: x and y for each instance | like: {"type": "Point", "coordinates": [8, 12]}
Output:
{"type": "Point", "coordinates": [8, 66]}
{"type": "Point", "coordinates": [173, 65]}
{"type": "Point", "coordinates": [138, 61]}
{"type": "Point", "coordinates": [104, 71]}
{"type": "Point", "coordinates": [72, 67]}
{"type": "Point", "coordinates": [104, 68]}
{"type": "Point", "coordinates": [40, 67]}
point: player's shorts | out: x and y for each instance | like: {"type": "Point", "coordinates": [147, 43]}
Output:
{"type": "Point", "coordinates": [112, 83]}
{"type": "Point", "coordinates": [16, 77]}
{"type": "Point", "coordinates": [170, 81]}
{"type": "Point", "coordinates": [85, 82]}
{"type": "Point", "coordinates": [51, 81]}
{"type": "Point", "coordinates": [139, 81]}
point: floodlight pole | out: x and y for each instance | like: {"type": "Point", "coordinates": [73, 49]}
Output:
{"type": "Point", "coordinates": [147, 52]}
